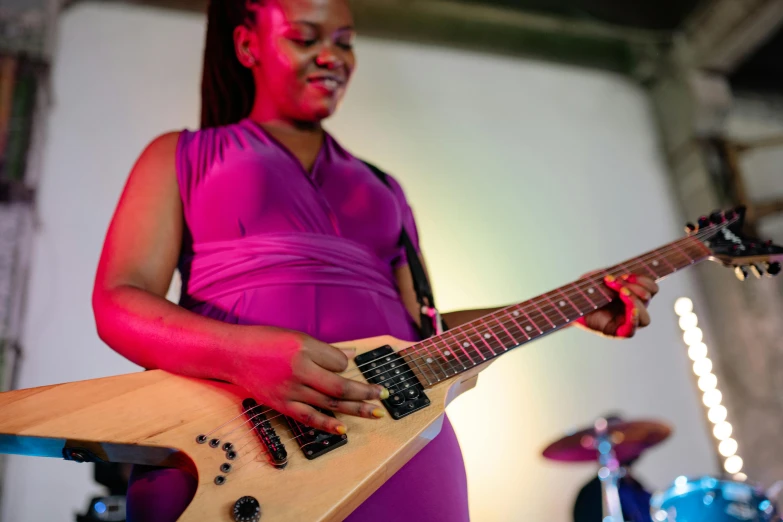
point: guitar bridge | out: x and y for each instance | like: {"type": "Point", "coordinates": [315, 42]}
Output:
{"type": "Point", "coordinates": [385, 367]}
{"type": "Point", "coordinates": [315, 443]}
{"type": "Point", "coordinates": [267, 434]}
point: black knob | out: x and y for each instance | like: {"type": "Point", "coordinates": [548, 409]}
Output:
{"type": "Point", "coordinates": [716, 218]}
{"type": "Point", "coordinates": [730, 214]}
{"type": "Point", "coordinates": [704, 221]}
{"type": "Point", "coordinates": [247, 509]}
{"type": "Point", "coordinates": [773, 269]}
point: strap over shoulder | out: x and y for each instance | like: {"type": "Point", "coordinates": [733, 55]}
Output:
{"type": "Point", "coordinates": [431, 321]}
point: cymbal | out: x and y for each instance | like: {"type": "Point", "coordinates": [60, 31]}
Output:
{"type": "Point", "coordinates": [630, 439]}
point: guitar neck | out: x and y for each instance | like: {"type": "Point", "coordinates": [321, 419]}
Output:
{"type": "Point", "coordinates": [458, 350]}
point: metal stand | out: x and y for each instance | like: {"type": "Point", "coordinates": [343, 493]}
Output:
{"type": "Point", "coordinates": [609, 473]}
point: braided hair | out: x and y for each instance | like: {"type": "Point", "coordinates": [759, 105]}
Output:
{"type": "Point", "coordinates": [227, 86]}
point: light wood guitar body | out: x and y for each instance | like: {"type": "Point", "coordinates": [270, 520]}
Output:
{"type": "Point", "coordinates": [154, 417]}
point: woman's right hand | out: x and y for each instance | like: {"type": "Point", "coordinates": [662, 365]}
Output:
{"type": "Point", "coordinates": [291, 372]}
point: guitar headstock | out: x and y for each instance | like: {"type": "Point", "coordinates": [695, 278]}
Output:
{"type": "Point", "coordinates": [721, 233]}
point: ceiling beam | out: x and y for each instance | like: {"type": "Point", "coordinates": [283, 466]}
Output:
{"type": "Point", "coordinates": [489, 29]}
{"type": "Point", "coordinates": [723, 33]}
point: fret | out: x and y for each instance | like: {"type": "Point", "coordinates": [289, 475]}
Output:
{"type": "Point", "coordinates": [701, 250]}
{"type": "Point", "coordinates": [585, 295]}
{"type": "Point", "coordinates": [464, 346]}
{"type": "Point", "coordinates": [556, 307]}
{"type": "Point", "coordinates": [568, 301]}
{"type": "Point", "coordinates": [513, 339]}
{"type": "Point", "coordinates": [516, 324]}
{"type": "Point", "coordinates": [483, 339]}
{"type": "Point", "coordinates": [449, 358]}
{"type": "Point", "coordinates": [601, 287]}
{"type": "Point", "coordinates": [643, 265]}
{"type": "Point", "coordinates": [504, 345]}
{"type": "Point", "coordinates": [656, 268]}
{"type": "Point", "coordinates": [528, 327]}
{"type": "Point", "coordinates": [678, 258]}
{"type": "Point", "coordinates": [433, 360]}
{"type": "Point", "coordinates": [533, 302]}
{"type": "Point", "coordinates": [415, 360]}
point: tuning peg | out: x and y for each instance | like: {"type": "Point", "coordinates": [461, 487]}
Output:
{"type": "Point", "coordinates": [741, 273]}
{"type": "Point", "coordinates": [729, 214]}
{"type": "Point", "coordinates": [756, 270]}
{"type": "Point", "coordinates": [716, 217]}
{"type": "Point", "coordinates": [690, 228]}
{"type": "Point", "coordinates": [704, 221]}
{"type": "Point", "coordinates": [773, 269]}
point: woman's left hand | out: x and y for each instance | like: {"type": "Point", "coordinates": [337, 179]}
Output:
{"type": "Point", "coordinates": [623, 316]}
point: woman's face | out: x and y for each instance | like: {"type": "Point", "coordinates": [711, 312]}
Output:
{"type": "Point", "coordinates": [301, 54]}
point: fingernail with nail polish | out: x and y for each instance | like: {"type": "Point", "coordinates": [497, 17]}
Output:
{"type": "Point", "coordinates": [378, 413]}
{"type": "Point", "coordinates": [341, 430]}
{"type": "Point", "coordinates": [610, 278]}
{"type": "Point", "coordinates": [625, 291]}
{"type": "Point", "coordinates": [384, 394]}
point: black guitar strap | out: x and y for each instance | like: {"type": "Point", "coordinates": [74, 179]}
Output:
{"type": "Point", "coordinates": [431, 321]}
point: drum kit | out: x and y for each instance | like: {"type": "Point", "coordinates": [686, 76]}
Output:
{"type": "Point", "coordinates": [613, 442]}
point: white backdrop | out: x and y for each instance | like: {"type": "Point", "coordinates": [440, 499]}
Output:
{"type": "Point", "coordinates": [523, 175]}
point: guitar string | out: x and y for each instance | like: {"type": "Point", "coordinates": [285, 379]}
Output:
{"type": "Point", "coordinates": [409, 370]}
{"type": "Point", "coordinates": [399, 383]}
{"type": "Point", "coordinates": [533, 313]}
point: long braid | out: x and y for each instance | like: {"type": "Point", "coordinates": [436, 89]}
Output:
{"type": "Point", "coordinates": [227, 87]}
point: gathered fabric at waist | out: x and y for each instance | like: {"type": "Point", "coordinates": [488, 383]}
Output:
{"type": "Point", "coordinates": [220, 268]}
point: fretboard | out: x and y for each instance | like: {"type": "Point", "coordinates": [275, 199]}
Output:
{"type": "Point", "coordinates": [471, 344]}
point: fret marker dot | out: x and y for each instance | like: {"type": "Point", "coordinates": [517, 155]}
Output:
{"type": "Point", "coordinates": [487, 336]}
{"type": "Point", "coordinates": [528, 328]}
{"type": "Point", "coordinates": [429, 360]}
{"type": "Point", "coordinates": [515, 314]}
{"type": "Point", "coordinates": [591, 290]}
{"type": "Point", "coordinates": [466, 345]}
{"type": "Point", "coordinates": [562, 304]}
{"type": "Point", "coordinates": [447, 353]}
{"type": "Point", "coordinates": [655, 263]}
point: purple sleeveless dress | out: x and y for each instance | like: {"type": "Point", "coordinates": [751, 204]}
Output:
{"type": "Point", "coordinates": [271, 244]}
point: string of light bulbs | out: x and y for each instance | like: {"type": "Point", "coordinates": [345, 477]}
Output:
{"type": "Point", "coordinates": [708, 384]}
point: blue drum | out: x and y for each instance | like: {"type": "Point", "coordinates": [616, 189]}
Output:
{"type": "Point", "coordinates": [707, 499]}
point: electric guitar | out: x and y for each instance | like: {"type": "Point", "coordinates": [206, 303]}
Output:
{"type": "Point", "coordinates": [248, 458]}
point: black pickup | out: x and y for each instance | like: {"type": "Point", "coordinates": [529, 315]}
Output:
{"type": "Point", "coordinates": [313, 442]}
{"type": "Point", "coordinates": [267, 434]}
{"type": "Point", "coordinates": [385, 367]}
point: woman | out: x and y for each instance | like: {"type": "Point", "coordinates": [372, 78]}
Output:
{"type": "Point", "coordinates": [286, 242]}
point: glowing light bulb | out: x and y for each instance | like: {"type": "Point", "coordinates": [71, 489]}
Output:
{"type": "Point", "coordinates": [708, 382]}
{"type": "Point", "coordinates": [689, 321]}
{"type": "Point", "coordinates": [741, 477]}
{"type": "Point", "coordinates": [683, 306]}
{"type": "Point", "coordinates": [722, 430]}
{"type": "Point", "coordinates": [693, 336]}
{"type": "Point", "coordinates": [697, 351]}
{"type": "Point", "coordinates": [702, 366]}
{"type": "Point", "coordinates": [712, 398]}
{"type": "Point", "coordinates": [733, 464]}
{"type": "Point", "coordinates": [717, 414]}
{"type": "Point", "coordinates": [727, 448]}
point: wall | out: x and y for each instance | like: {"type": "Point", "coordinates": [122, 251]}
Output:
{"type": "Point", "coordinates": [523, 175]}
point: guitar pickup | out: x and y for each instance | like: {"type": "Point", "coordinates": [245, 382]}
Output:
{"type": "Point", "coordinates": [315, 443]}
{"type": "Point", "coordinates": [385, 367]}
{"type": "Point", "coordinates": [265, 431]}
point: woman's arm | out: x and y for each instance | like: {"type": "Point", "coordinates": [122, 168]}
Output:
{"type": "Point", "coordinates": [286, 370]}
{"type": "Point", "coordinates": [134, 272]}
{"type": "Point", "coordinates": [620, 318]}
